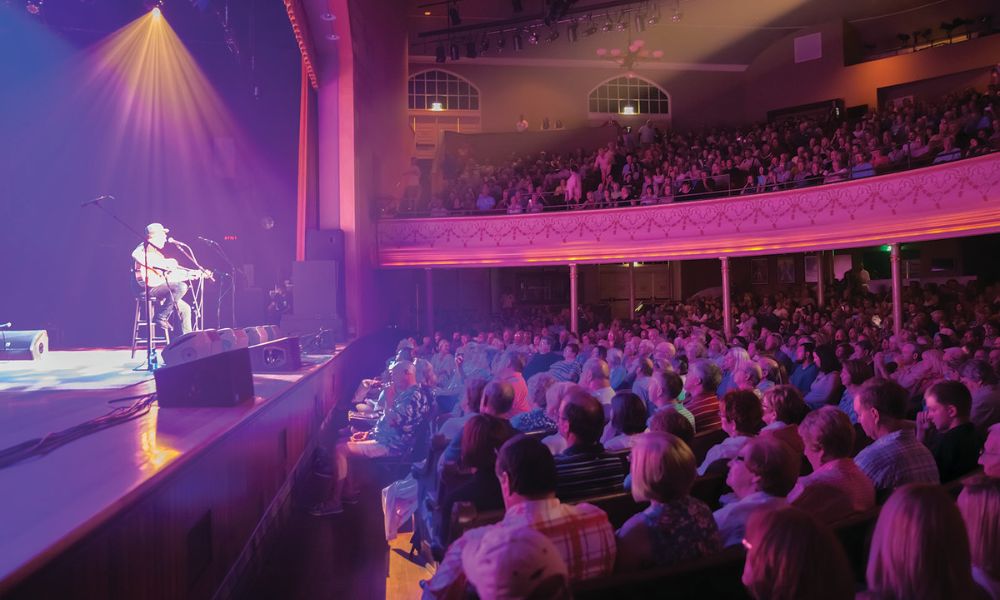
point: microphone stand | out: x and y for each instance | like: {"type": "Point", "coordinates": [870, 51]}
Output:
{"type": "Point", "coordinates": [152, 362]}
{"type": "Point", "coordinates": [199, 292]}
{"type": "Point", "coordinates": [232, 282]}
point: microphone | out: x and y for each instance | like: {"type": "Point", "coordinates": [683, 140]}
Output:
{"type": "Point", "coordinates": [208, 241]}
{"type": "Point", "coordinates": [171, 240]}
{"type": "Point", "coordinates": [6, 325]}
{"type": "Point", "coordinates": [97, 199]}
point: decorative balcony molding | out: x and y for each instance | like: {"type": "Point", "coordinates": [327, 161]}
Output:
{"type": "Point", "coordinates": [942, 201]}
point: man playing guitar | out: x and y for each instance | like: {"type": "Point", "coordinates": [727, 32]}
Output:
{"type": "Point", "coordinates": [167, 280]}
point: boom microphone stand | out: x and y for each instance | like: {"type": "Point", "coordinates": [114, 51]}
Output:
{"type": "Point", "coordinates": [151, 361]}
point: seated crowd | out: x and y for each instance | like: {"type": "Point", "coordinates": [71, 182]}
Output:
{"type": "Point", "coordinates": [766, 443]}
{"type": "Point", "coordinates": [647, 166]}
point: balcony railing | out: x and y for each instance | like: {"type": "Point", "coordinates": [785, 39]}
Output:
{"type": "Point", "coordinates": [948, 200]}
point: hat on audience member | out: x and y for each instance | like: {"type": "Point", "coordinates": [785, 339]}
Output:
{"type": "Point", "coordinates": [510, 563]}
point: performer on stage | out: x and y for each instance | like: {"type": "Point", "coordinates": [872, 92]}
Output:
{"type": "Point", "coordinates": [152, 264]}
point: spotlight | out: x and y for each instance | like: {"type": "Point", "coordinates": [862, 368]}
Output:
{"type": "Point", "coordinates": [453, 17]}
{"type": "Point", "coordinates": [591, 28]}
{"type": "Point", "coordinates": [454, 52]}
{"type": "Point", "coordinates": [553, 35]}
{"type": "Point", "coordinates": [470, 50]}
{"type": "Point", "coordinates": [533, 38]}
{"type": "Point", "coordinates": [655, 17]}
{"type": "Point", "coordinates": [622, 24]}
{"type": "Point", "coordinates": [677, 16]}
{"type": "Point", "coordinates": [34, 7]}
{"type": "Point", "coordinates": [156, 12]}
{"type": "Point", "coordinates": [439, 54]}
{"type": "Point", "coordinates": [518, 42]}
{"type": "Point", "coordinates": [571, 31]}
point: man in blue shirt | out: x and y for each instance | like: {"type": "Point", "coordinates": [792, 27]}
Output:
{"type": "Point", "coordinates": [806, 371]}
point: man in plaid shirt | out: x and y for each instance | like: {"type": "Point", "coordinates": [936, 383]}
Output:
{"type": "Point", "coordinates": [527, 473]}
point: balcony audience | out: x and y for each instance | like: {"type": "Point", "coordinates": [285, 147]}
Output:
{"type": "Point", "coordinates": [979, 503]}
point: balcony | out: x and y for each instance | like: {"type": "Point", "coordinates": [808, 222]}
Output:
{"type": "Point", "coordinates": [942, 201]}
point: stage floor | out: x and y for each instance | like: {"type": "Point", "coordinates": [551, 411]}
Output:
{"type": "Point", "coordinates": [48, 501]}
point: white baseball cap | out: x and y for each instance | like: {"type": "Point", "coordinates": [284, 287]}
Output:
{"type": "Point", "coordinates": [513, 563]}
{"type": "Point", "coordinates": [154, 229]}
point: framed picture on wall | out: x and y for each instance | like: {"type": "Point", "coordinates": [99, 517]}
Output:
{"type": "Point", "coordinates": [786, 269]}
{"type": "Point", "coordinates": [812, 268]}
{"type": "Point", "coordinates": [758, 271]}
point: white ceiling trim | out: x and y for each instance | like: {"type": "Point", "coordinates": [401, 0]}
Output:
{"type": "Point", "coordinates": [576, 63]}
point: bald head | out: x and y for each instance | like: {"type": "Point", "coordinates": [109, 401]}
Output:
{"type": "Point", "coordinates": [597, 373]}
{"type": "Point", "coordinates": [582, 419]}
{"type": "Point", "coordinates": [498, 398]}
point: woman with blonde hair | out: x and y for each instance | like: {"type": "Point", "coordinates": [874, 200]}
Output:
{"type": "Point", "coordinates": [675, 527]}
{"type": "Point", "coordinates": [979, 504]}
{"type": "Point", "coordinates": [920, 549]}
{"type": "Point", "coordinates": [792, 555]}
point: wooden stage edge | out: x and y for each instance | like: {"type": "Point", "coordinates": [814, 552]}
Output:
{"type": "Point", "coordinates": [179, 503]}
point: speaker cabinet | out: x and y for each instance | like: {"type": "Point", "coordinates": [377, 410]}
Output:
{"type": "Point", "coordinates": [23, 345]}
{"type": "Point", "coordinates": [283, 354]}
{"type": "Point", "coordinates": [223, 379]}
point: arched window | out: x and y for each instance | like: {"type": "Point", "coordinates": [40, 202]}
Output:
{"type": "Point", "coordinates": [629, 95]}
{"type": "Point", "coordinates": [450, 91]}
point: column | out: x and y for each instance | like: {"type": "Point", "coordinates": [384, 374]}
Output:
{"type": "Point", "coordinates": [727, 315]}
{"type": "Point", "coordinates": [429, 302]}
{"type": "Point", "coordinates": [897, 289]}
{"type": "Point", "coordinates": [820, 277]}
{"type": "Point", "coordinates": [573, 299]}
{"type": "Point", "coordinates": [631, 289]}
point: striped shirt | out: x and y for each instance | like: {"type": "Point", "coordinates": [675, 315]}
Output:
{"type": "Point", "coordinates": [581, 533]}
{"type": "Point", "coordinates": [706, 413]}
{"type": "Point", "coordinates": [897, 459]}
{"type": "Point", "coordinates": [566, 370]}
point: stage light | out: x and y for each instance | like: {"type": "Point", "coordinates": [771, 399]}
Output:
{"type": "Point", "coordinates": [628, 109]}
{"type": "Point", "coordinates": [437, 106]}
{"type": "Point", "coordinates": [677, 16]}
{"type": "Point", "coordinates": [427, 13]}
{"type": "Point", "coordinates": [608, 26]}
{"type": "Point", "coordinates": [439, 54]}
{"type": "Point", "coordinates": [34, 7]}
{"type": "Point", "coordinates": [533, 38]}
{"type": "Point", "coordinates": [622, 24]}
{"type": "Point", "coordinates": [156, 12]}
{"type": "Point", "coordinates": [655, 17]}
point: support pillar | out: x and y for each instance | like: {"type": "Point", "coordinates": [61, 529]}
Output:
{"type": "Point", "coordinates": [897, 289]}
{"type": "Point", "coordinates": [820, 280]}
{"type": "Point", "coordinates": [631, 289]}
{"type": "Point", "coordinates": [429, 301]}
{"type": "Point", "coordinates": [573, 299]}
{"type": "Point", "coordinates": [727, 314]}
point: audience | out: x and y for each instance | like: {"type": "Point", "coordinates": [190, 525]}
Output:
{"type": "Point", "coordinates": [981, 379]}
{"type": "Point", "coordinates": [895, 457]}
{"type": "Point", "coordinates": [581, 533]}
{"type": "Point", "coordinates": [791, 556]}
{"type": "Point", "coordinates": [920, 548]}
{"type": "Point", "coordinates": [515, 563]}
{"type": "Point", "coordinates": [990, 457]}
{"type": "Point", "coordinates": [628, 419]}
{"type": "Point", "coordinates": [836, 489]}
{"type": "Point", "coordinates": [584, 468]}
{"type": "Point", "coordinates": [945, 428]}
{"type": "Point", "coordinates": [784, 409]}
{"type": "Point", "coordinates": [675, 527]}
{"type": "Point", "coordinates": [669, 420]}
{"type": "Point", "coordinates": [537, 419]}
{"type": "Point", "coordinates": [979, 504]}
{"type": "Point", "coordinates": [761, 475]}
{"type": "Point", "coordinates": [703, 378]}
{"type": "Point", "coordinates": [740, 414]}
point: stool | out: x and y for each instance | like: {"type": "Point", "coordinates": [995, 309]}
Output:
{"type": "Point", "coordinates": [140, 327]}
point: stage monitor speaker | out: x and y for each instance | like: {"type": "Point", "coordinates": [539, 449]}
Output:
{"type": "Point", "coordinates": [192, 346]}
{"type": "Point", "coordinates": [283, 354]}
{"type": "Point", "coordinates": [23, 345]}
{"type": "Point", "coordinates": [223, 379]}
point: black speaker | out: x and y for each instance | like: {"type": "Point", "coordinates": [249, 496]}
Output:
{"type": "Point", "coordinates": [325, 244]}
{"type": "Point", "coordinates": [223, 379]}
{"type": "Point", "coordinates": [283, 354]}
{"type": "Point", "coordinates": [23, 345]}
